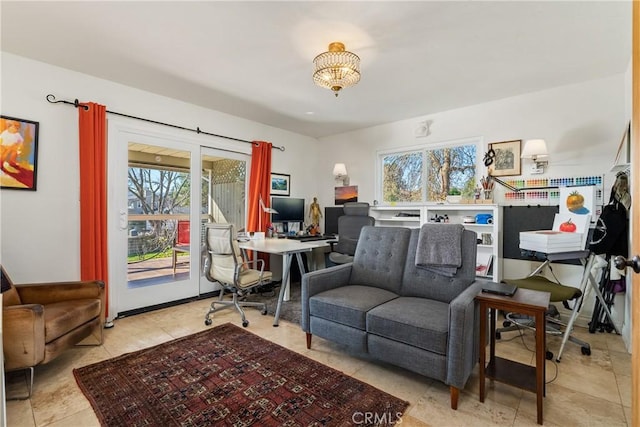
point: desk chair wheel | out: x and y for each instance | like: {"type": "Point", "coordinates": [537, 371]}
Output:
{"type": "Point", "coordinates": [245, 323]}
{"type": "Point", "coordinates": [549, 355]}
{"type": "Point", "coordinates": [208, 322]}
{"type": "Point", "coordinates": [498, 335]}
{"type": "Point", "coordinates": [264, 312]}
{"type": "Point", "coordinates": [586, 350]}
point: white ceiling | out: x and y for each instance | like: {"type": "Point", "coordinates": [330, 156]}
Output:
{"type": "Point", "coordinates": [254, 59]}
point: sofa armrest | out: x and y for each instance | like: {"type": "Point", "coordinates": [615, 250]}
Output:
{"type": "Point", "coordinates": [47, 293]}
{"type": "Point", "coordinates": [23, 335]}
{"type": "Point", "coordinates": [462, 348]}
{"type": "Point", "coordinates": [319, 281]}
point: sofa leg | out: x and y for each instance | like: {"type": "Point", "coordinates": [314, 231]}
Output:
{"type": "Point", "coordinates": [308, 340]}
{"type": "Point", "coordinates": [455, 394]}
{"type": "Point", "coordinates": [29, 380]}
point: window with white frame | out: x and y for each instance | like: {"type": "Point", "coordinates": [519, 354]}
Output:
{"type": "Point", "coordinates": [428, 173]}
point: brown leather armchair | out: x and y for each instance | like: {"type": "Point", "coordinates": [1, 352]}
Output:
{"type": "Point", "coordinates": [42, 320]}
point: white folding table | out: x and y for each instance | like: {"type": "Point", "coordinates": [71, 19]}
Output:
{"type": "Point", "coordinates": [287, 248]}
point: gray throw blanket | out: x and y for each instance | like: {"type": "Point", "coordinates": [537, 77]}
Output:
{"type": "Point", "coordinates": [440, 248]}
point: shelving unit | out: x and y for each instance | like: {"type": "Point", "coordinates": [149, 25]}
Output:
{"type": "Point", "coordinates": [415, 216]}
{"type": "Point", "coordinates": [398, 216]}
{"type": "Point", "coordinates": [486, 251]}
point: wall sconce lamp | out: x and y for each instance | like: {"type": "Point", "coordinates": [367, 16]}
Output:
{"type": "Point", "coordinates": [536, 149]}
{"type": "Point", "coordinates": [340, 174]}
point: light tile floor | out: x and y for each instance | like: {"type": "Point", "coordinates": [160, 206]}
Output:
{"type": "Point", "coordinates": [582, 390]}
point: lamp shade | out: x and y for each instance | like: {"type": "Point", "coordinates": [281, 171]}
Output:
{"type": "Point", "coordinates": [534, 149]}
{"type": "Point", "coordinates": [339, 170]}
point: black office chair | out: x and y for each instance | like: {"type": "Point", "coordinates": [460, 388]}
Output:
{"type": "Point", "coordinates": [356, 216]}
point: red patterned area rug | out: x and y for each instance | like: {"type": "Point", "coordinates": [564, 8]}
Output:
{"type": "Point", "coordinates": [229, 376]}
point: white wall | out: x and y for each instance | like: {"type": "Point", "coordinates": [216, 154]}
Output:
{"type": "Point", "coordinates": [39, 234]}
{"type": "Point", "coordinates": [581, 123]}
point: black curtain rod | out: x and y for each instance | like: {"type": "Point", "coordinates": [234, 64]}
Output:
{"type": "Point", "coordinates": [52, 99]}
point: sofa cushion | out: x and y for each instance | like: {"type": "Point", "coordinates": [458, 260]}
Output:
{"type": "Point", "coordinates": [419, 322]}
{"type": "Point", "coordinates": [348, 305]}
{"type": "Point", "coordinates": [419, 282]}
{"type": "Point", "coordinates": [63, 317]}
{"type": "Point", "coordinates": [380, 257]}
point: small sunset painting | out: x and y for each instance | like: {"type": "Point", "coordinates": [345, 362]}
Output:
{"type": "Point", "coordinates": [346, 194]}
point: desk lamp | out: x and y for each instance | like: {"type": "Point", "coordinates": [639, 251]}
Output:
{"type": "Point", "coordinates": [265, 209]}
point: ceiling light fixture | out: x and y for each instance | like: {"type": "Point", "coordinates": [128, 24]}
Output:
{"type": "Point", "coordinates": [336, 68]}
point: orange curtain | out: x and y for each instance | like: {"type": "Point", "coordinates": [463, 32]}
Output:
{"type": "Point", "coordinates": [259, 185]}
{"type": "Point", "coordinates": [93, 194]}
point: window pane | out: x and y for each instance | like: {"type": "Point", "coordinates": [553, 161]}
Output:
{"type": "Point", "coordinates": [159, 208]}
{"type": "Point", "coordinates": [449, 168]}
{"type": "Point", "coordinates": [402, 177]}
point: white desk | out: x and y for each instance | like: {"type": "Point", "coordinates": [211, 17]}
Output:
{"type": "Point", "coordinates": [287, 248]}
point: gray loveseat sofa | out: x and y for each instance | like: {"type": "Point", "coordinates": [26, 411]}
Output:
{"type": "Point", "coordinates": [383, 305]}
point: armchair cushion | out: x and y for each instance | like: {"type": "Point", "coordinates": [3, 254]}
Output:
{"type": "Point", "coordinates": [348, 305]}
{"type": "Point", "coordinates": [397, 320]}
{"type": "Point", "coordinates": [65, 316]}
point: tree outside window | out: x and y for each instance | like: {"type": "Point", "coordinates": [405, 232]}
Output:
{"type": "Point", "coordinates": [402, 177]}
{"type": "Point", "coordinates": [428, 175]}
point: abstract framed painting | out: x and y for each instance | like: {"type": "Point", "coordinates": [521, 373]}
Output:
{"type": "Point", "coordinates": [18, 153]}
{"type": "Point", "coordinates": [280, 184]}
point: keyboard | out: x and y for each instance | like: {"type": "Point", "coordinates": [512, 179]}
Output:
{"type": "Point", "coordinates": [309, 238]}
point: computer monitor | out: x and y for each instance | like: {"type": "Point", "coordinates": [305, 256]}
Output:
{"type": "Point", "coordinates": [290, 209]}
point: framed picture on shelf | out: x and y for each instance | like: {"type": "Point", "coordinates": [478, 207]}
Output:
{"type": "Point", "coordinates": [506, 158]}
{"type": "Point", "coordinates": [280, 184]}
{"type": "Point", "coordinates": [18, 153]}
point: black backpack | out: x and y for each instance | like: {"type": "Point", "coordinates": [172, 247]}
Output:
{"type": "Point", "coordinates": [611, 234]}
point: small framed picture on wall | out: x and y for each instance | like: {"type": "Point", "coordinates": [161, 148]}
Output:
{"type": "Point", "coordinates": [280, 184]}
{"type": "Point", "coordinates": [346, 194]}
{"type": "Point", "coordinates": [506, 158]}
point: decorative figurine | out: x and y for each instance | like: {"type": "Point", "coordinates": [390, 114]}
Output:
{"type": "Point", "coordinates": [315, 213]}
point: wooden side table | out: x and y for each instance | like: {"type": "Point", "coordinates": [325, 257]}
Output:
{"type": "Point", "coordinates": [525, 301]}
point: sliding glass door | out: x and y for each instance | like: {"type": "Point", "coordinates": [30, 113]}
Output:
{"type": "Point", "coordinates": [163, 190]}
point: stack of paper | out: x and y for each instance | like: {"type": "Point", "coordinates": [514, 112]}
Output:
{"type": "Point", "coordinates": [558, 240]}
{"type": "Point", "coordinates": [549, 241]}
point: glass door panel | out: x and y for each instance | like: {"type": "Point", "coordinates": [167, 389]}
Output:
{"type": "Point", "coordinates": [223, 190]}
{"type": "Point", "coordinates": [159, 253]}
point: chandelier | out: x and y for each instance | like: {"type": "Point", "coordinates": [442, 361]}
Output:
{"type": "Point", "coordinates": [337, 68]}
